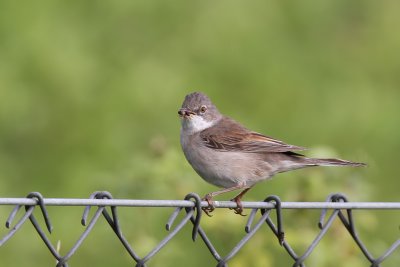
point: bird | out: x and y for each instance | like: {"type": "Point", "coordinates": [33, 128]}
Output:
{"type": "Point", "coordinates": [228, 155]}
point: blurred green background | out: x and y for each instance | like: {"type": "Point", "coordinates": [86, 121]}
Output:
{"type": "Point", "coordinates": [89, 93]}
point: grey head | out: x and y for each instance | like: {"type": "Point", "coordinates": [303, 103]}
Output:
{"type": "Point", "coordinates": [198, 113]}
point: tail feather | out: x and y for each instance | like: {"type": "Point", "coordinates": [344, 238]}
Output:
{"type": "Point", "coordinates": [333, 162]}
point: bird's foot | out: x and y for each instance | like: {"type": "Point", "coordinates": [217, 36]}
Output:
{"type": "Point", "coordinates": [239, 208]}
{"type": "Point", "coordinates": [210, 208]}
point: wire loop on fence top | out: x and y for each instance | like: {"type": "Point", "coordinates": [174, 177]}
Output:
{"type": "Point", "coordinates": [337, 204]}
{"type": "Point", "coordinates": [39, 198]}
{"type": "Point", "coordinates": [278, 206]}
{"type": "Point", "coordinates": [196, 224]}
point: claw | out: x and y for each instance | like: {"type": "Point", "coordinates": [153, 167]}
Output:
{"type": "Point", "coordinates": [239, 208]}
{"type": "Point", "coordinates": [208, 210]}
{"type": "Point", "coordinates": [211, 207]}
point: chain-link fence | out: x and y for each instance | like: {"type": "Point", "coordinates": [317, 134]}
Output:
{"type": "Point", "coordinates": [107, 208]}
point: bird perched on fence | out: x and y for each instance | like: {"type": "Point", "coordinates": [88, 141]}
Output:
{"type": "Point", "coordinates": [228, 155]}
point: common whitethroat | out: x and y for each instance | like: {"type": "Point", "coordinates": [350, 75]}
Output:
{"type": "Point", "coordinates": [232, 157]}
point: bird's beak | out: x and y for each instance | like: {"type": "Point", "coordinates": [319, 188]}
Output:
{"type": "Point", "coordinates": [184, 112]}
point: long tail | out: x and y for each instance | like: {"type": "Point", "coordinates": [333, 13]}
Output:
{"type": "Point", "coordinates": [333, 162]}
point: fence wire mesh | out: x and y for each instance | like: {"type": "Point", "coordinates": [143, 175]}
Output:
{"type": "Point", "coordinates": [107, 208]}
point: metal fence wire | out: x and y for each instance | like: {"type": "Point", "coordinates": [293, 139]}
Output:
{"type": "Point", "coordinates": [336, 204]}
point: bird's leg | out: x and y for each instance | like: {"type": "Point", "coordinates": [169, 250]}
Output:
{"type": "Point", "coordinates": [209, 198]}
{"type": "Point", "coordinates": [237, 199]}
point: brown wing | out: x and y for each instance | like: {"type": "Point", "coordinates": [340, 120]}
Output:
{"type": "Point", "coordinates": [231, 136]}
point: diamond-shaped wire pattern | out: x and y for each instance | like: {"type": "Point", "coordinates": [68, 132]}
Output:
{"type": "Point", "coordinates": [191, 206]}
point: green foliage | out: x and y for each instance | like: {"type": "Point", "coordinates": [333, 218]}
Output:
{"type": "Point", "coordinates": [89, 93]}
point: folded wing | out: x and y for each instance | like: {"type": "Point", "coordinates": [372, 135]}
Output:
{"type": "Point", "coordinates": [231, 136]}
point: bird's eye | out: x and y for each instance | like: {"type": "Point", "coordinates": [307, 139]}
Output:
{"type": "Point", "coordinates": [203, 109]}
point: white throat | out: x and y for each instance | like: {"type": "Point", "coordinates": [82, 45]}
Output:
{"type": "Point", "coordinates": [196, 124]}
